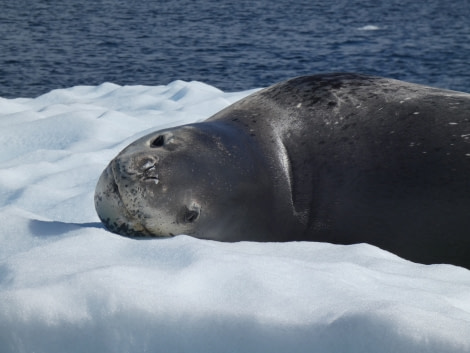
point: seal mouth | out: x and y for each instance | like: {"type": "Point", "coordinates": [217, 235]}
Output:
{"type": "Point", "coordinates": [150, 173]}
{"type": "Point", "coordinates": [118, 192]}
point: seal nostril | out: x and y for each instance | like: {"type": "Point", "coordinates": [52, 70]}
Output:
{"type": "Point", "coordinates": [158, 142]}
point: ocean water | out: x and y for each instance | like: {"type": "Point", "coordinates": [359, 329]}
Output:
{"type": "Point", "coordinates": [232, 44]}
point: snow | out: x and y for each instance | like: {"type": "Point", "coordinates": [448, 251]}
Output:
{"type": "Point", "coordinates": [68, 285]}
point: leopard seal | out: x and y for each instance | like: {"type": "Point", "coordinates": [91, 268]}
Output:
{"type": "Point", "coordinates": [342, 158]}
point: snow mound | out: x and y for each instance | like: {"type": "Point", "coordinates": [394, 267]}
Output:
{"type": "Point", "coordinates": [68, 285]}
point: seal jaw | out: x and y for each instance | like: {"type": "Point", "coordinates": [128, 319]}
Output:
{"type": "Point", "coordinates": [111, 209]}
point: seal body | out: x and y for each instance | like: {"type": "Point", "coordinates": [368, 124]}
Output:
{"type": "Point", "coordinates": [341, 158]}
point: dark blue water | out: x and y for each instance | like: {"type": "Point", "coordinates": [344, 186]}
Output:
{"type": "Point", "coordinates": [232, 44]}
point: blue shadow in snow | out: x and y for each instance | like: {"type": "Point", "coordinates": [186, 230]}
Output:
{"type": "Point", "coordinates": [56, 228]}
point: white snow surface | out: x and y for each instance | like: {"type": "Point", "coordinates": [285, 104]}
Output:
{"type": "Point", "coordinates": [68, 285]}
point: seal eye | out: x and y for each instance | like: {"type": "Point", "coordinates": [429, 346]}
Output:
{"type": "Point", "coordinates": [158, 142]}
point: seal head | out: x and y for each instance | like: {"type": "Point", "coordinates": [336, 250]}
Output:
{"type": "Point", "coordinates": [177, 181]}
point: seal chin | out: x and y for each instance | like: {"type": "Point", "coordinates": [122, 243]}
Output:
{"type": "Point", "coordinates": [112, 211]}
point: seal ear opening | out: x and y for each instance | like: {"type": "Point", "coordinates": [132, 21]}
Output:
{"type": "Point", "coordinates": [191, 214]}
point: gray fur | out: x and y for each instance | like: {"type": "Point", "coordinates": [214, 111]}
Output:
{"type": "Point", "coordinates": [342, 158]}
